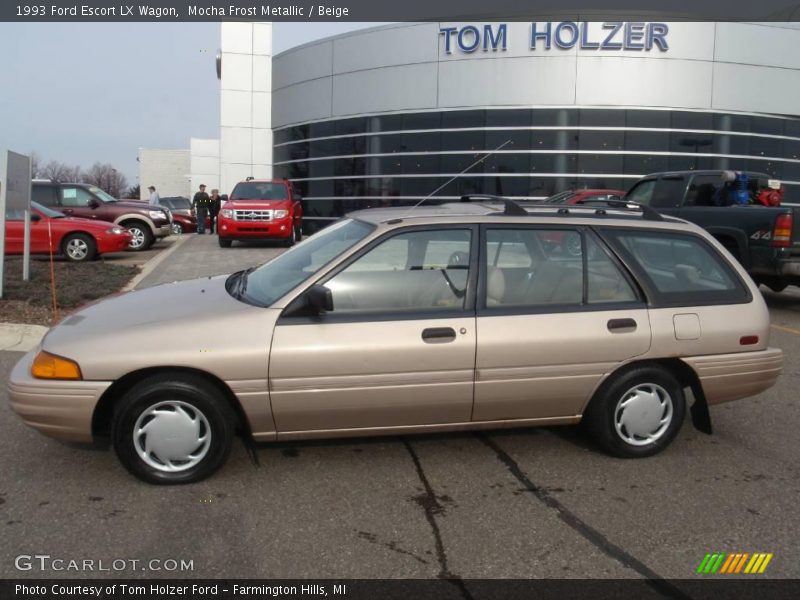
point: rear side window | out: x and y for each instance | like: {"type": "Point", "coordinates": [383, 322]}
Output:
{"type": "Point", "coordinates": [260, 190]}
{"type": "Point", "coordinates": [680, 269]}
{"type": "Point", "coordinates": [45, 194]}
{"type": "Point", "coordinates": [668, 192]}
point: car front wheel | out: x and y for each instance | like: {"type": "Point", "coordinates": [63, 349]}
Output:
{"type": "Point", "coordinates": [172, 429]}
{"type": "Point", "coordinates": [79, 247]}
{"type": "Point", "coordinates": [142, 236]}
{"type": "Point", "coordinates": [637, 413]}
{"type": "Point", "coordinates": [224, 243]}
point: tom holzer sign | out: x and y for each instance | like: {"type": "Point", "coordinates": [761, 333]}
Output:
{"type": "Point", "coordinates": [563, 35]}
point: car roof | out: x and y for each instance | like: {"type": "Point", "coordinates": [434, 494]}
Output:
{"type": "Point", "coordinates": [478, 212]}
{"type": "Point", "coordinates": [758, 174]}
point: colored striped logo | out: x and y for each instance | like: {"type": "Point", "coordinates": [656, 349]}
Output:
{"type": "Point", "coordinates": [734, 563]}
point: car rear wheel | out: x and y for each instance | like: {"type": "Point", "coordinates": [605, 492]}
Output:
{"type": "Point", "coordinates": [224, 243]}
{"type": "Point", "coordinates": [79, 247]}
{"type": "Point", "coordinates": [637, 413]}
{"type": "Point", "coordinates": [142, 236]}
{"type": "Point", "coordinates": [172, 429]}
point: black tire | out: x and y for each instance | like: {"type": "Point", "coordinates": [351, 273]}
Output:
{"type": "Point", "coordinates": [224, 243]}
{"type": "Point", "coordinates": [199, 408]}
{"type": "Point", "coordinates": [79, 247]}
{"type": "Point", "coordinates": [656, 386]}
{"type": "Point", "coordinates": [142, 236]}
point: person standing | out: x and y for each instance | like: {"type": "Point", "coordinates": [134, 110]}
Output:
{"type": "Point", "coordinates": [213, 209]}
{"type": "Point", "coordinates": [155, 199]}
{"type": "Point", "coordinates": [201, 203]}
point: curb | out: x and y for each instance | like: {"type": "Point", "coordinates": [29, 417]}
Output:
{"type": "Point", "coordinates": [151, 264]}
{"type": "Point", "coordinates": [20, 337]}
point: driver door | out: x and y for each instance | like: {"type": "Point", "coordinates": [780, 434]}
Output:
{"type": "Point", "coordinates": [398, 349]}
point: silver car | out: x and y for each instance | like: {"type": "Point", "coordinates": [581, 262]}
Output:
{"type": "Point", "coordinates": [455, 317]}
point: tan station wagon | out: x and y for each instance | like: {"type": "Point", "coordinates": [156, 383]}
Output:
{"type": "Point", "coordinates": [462, 316]}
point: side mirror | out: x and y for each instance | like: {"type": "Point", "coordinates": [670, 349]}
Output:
{"type": "Point", "coordinates": [35, 217]}
{"type": "Point", "coordinates": [319, 299]}
{"type": "Point", "coordinates": [224, 197]}
{"type": "Point", "coordinates": [93, 203]}
{"type": "Point", "coordinates": [614, 198]}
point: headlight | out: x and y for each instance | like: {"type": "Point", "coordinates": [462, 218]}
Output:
{"type": "Point", "coordinates": [157, 214]}
{"type": "Point", "coordinates": [227, 213]}
{"type": "Point", "coordinates": [115, 230]}
{"type": "Point", "coordinates": [50, 366]}
{"type": "Point", "coordinates": [279, 214]}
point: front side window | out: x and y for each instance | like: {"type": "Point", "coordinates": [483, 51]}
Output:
{"type": "Point", "coordinates": [415, 271]}
{"type": "Point", "coordinates": [272, 280]}
{"type": "Point", "coordinates": [668, 192]}
{"type": "Point", "coordinates": [681, 269]}
{"type": "Point", "coordinates": [75, 197]}
{"type": "Point", "coordinates": [642, 192]}
{"type": "Point", "coordinates": [546, 267]}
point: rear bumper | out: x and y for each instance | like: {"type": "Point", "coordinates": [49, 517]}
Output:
{"type": "Point", "coordinates": [727, 377]}
{"type": "Point", "coordinates": [789, 268]}
{"type": "Point", "coordinates": [59, 409]}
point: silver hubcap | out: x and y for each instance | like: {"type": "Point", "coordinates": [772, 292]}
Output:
{"type": "Point", "coordinates": [172, 436]}
{"type": "Point", "coordinates": [138, 237]}
{"type": "Point", "coordinates": [77, 249]}
{"type": "Point", "coordinates": [177, 229]}
{"type": "Point", "coordinates": [643, 414]}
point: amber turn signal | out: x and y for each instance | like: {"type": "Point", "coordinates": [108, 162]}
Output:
{"type": "Point", "coordinates": [50, 366]}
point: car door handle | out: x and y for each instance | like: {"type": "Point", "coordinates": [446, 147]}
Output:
{"type": "Point", "coordinates": [617, 324]}
{"type": "Point", "coordinates": [439, 333]}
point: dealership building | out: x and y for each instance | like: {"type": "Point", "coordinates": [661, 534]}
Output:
{"type": "Point", "coordinates": [388, 115]}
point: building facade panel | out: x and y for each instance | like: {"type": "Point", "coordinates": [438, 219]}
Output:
{"type": "Point", "coordinates": [402, 114]}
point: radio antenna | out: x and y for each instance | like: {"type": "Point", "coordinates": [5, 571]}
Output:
{"type": "Point", "coordinates": [452, 179]}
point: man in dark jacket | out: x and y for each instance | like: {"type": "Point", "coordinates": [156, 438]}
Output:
{"type": "Point", "coordinates": [201, 203]}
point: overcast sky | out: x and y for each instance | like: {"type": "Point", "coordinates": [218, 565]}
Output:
{"type": "Point", "coordinates": [86, 92]}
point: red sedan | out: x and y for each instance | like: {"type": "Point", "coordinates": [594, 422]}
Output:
{"type": "Point", "coordinates": [76, 239]}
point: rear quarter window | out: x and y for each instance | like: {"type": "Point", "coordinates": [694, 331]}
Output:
{"type": "Point", "coordinates": [679, 269]}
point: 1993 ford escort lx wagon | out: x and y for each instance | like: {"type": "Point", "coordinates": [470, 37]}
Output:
{"type": "Point", "coordinates": [410, 320]}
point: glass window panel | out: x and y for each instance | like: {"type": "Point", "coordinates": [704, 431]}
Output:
{"type": "Point", "coordinates": [463, 118]}
{"type": "Point", "coordinates": [655, 119]}
{"type": "Point", "coordinates": [600, 163]}
{"type": "Point", "coordinates": [74, 196]}
{"type": "Point", "coordinates": [518, 140]}
{"type": "Point", "coordinates": [767, 125]}
{"type": "Point", "coordinates": [508, 163]}
{"type": "Point", "coordinates": [647, 140]}
{"type": "Point", "coordinates": [347, 126]}
{"type": "Point", "coordinates": [508, 118]}
{"type": "Point", "coordinates": [421, 142]}
{"type": "Point", "coordinates": [558, 117]}
{"type": "Point", "coordinates": [322, 129]}
{"type": "Point", "coordinates": [422, 120]}
{"type": "Point", "coordinates": [602, 118]}
{"type": "Point", "coordinates": [725, 122]}
{"type": "Point", "coordinates": [420, 163]}
{"type": "Point", "coordinates": [692, 120]}
{"type": "Point", "coordinates": [537, 268]}
{"type": "Point", "coordinates": [601, 140]}
{"type": "Point", "coordinates": [463, 140]}
{"type": "Point", "coordinates": [418, 271]}
{"type": "Point", "coordinates": [644, 164]}
{"type": "Point", "coordinates": [605, 282]}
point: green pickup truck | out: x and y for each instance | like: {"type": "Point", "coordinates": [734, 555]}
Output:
{"type": "Point", "coordinates": [765, 239]}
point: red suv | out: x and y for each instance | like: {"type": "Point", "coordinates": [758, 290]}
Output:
{"type": "Point", "coordinates": [261, 209]}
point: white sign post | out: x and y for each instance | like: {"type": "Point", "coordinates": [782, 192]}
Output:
{"type": "Point", "coordinates": [15, 195]}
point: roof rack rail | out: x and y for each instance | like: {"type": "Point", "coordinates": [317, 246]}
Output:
{"type": "Point", "coordinates": [648, 212]}
{"type": "Point", "coordinates": [511, 208]}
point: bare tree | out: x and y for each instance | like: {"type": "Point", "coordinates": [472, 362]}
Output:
{"type": "Point", "coordinates": [58, 171]}
{"type": "Point", "coordinates": [107, 178]}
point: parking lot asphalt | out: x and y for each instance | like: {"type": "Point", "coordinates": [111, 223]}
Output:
{"type": "Point", "coordinates": [526, 503]}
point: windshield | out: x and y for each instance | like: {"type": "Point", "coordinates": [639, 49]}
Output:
{"type": "Point", "coordinates": [274, 279]}
{"type": "Point", "coordinates": [101, 194]}
{"type": "Point", "coordinates": [47, 212]}
{"type": "Point", "coordinates": [260, 190]}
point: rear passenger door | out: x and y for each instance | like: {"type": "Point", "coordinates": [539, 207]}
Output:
{"type": "Point", "coordinates": [551, 323]}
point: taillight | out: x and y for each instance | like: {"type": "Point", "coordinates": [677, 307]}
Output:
{"type": "Point", "coordinates": [782, 235]}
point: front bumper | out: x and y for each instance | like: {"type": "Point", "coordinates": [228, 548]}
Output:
{"type": "Point", "coordinates": [162, 231]}
{"type": "Point", "coordinates": [253, 230]}
{"type": "Point", "coordinates": [727, 377]}
{"type": "Point", "coordinates": [117, 243]}
{"type": "Point", "coordinates": [59, 409]}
